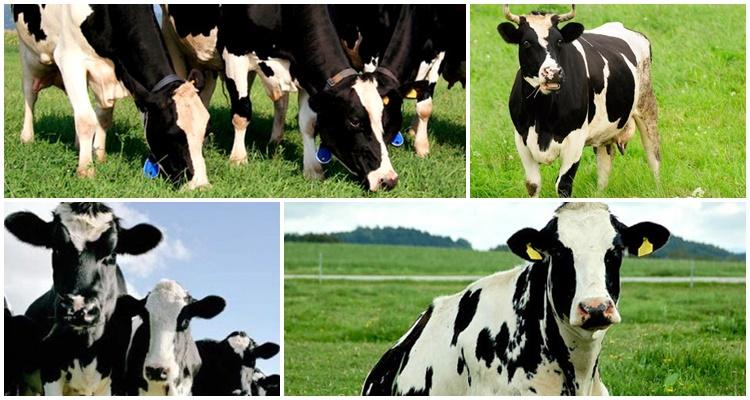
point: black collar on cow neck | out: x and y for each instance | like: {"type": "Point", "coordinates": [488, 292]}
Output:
{"type": "Point", "coordinates": [166, 81]}
{"type": "Point", "coordinates": [387, 72]}
{"type": "Point", "coordinates": [334, 80]}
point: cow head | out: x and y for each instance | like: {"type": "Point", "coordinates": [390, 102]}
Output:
{"type": "Point", "coordinates": [246, 352]}
{"type": "Point", "coordinates": [350, 123]}
{"type": "Point", "coordinates": [175, 121]}
{"type": "Point", "coordinates": [583, 246]}
{"type": "Point", "coordinates": [85, 239]}
{"type": "Point", "coordinates": [166, 312]}
{"type": "Point", "coordinates": [540, 44]}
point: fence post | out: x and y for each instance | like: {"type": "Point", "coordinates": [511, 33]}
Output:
{"type": "Point", "coordinates": [692, 272]}
{"type": "Point", "coordinates": [320, 267]}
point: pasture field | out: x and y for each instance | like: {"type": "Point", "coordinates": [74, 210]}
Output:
{"type": "Point", "coordinates": [673, 340]}
{"type": "Point", "coordinates": [699, 80]}
{"type": "Point", "coordinates": [46, 168]}
{"type": "Point", "coordinates": [353, 259]}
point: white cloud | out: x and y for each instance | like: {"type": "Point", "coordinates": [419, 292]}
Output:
{"type": "Point", "coordinates": [487, 223]}
{"type": "Point", "coordinates": [28, 269]}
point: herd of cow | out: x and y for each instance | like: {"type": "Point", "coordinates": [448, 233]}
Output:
{"type": "Point", "coordinates": [352, 67]}
{"type": "Point", "coordinates": [87, 336]}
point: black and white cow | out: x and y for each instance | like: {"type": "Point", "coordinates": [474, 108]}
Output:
{"type": "Point", "coordinates": [81, 353]}
{"type": "Point", "coordinates": [163, 358]}
{"type": "Point", "coordinates": [576, 89]}
{"type": "Point", "coordinates": [405, 46]}
{"type": "Point", "coordinates": [265, 385]}
{"type": "Point", "coordinates": [229, 366]}
{"type": "Point", "coordinates": [114, 50]}
{"type": "Point", "coordinates": [22, 357]}
{"type": "Point", "coordinates": [536, 329]}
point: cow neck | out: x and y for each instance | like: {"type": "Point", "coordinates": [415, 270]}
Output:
{"type": "Point", "coordinates": [318, 60]}
{"type": "Point", "coordinates": [583, 349]}
{"type": "Point", "coordinates": [402, 53]}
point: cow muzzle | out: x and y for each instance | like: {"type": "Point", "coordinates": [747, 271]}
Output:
{"type": "Point", "coordinates": [596, 313]}
{"type": "Point", "coordinates": [386, 180]}
{"type": "Point", "coordinates": [156, 373]}
{"type": "Point", "coordinates": [550, 79]}
{"type": "Point", "coordinates": [78, 311]}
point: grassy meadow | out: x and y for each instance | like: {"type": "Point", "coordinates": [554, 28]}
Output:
{"type": "Point", "coordinates": [674, 340]}
{"type": "Point", "coordinates": [46, 168]}
{"type": "Point", "coordinates": [699, 81]}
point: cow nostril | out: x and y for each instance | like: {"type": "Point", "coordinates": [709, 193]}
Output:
{"type": "Point", "coordinates": [156, 373]}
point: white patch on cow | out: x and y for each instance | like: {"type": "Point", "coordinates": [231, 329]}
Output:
{"type": "Point", "coordinates": [192, 118]}
{"type": "Point", "coordinates": [86, 380]}
{"type": "Point", "coordinates": [239, 344]}
{"type": "Point", "coordinates": [367, 91]}
{"type": "Point", "coordinates": [372, 65]}
{"type": "Point", "coordinates": [164, 304]}
{"type": "Point", "coordinates": [587, 230]}
{"type": "Point", "coordinates": [83, 228]}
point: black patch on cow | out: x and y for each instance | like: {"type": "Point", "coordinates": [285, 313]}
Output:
{"type": "Point", "coordinates": [620, 84]}
{"type": "Point", "coordinates": [380, 381]}
{"type": "Point", "coordinates": [89, 208]}
{"type": "Point", "coordinates": [612, 263]}
{"type": "Point", "coordinates": [596, 367]}
{"type": "Point", "coordinates": [32, 15]}
{"type": "Point", "coordinates": [565, 187]}
{"type": "Point", "coordinates": [563, 278]}
{"type": "Point", "coordinates": [195, 19]}
{"type": "Point", "coordinates": [531, 389]}
{"type": "Point", "coordinates": [267, 71]}
{"type": "Point", "coordinates": [467, 307]}
{"type": "Point", "coordinates": [485, 350]}
{"type": "Point", "coordinates": [240, 106]}
{"type": "Point", "coordinates": [556, 350]}
{"type": "Point", "coordinates": [461, 364]}
{"type": "Point", "coordinates": [427, 385]}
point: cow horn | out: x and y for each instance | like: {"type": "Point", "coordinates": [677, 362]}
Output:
{"type": "Point", "coordinates": [510, 16]}
{"type": "Point", "coordinates": [567, 16]}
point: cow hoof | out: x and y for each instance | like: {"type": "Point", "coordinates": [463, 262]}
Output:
{"type": "Point", "coordinates": [27, 138]}
{"type": "Point", "coordinates": [422, 153]}
{"type": "Point", "coordinates": [412, 132]}
{"type": "Point", "coordinates": [101, 156]}
{"type": "Point", "coordinates": [532, 189]}
{"type": "Point", "coordinates": [85, 172]}
{"type": "Point", "coordinates": [238, 161]}
{"type": "Point", "coordinates": [313, 174]}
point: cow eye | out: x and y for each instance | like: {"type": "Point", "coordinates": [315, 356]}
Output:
{"type": "Point", "coordinates": [526, 44]}
{"type": "Point", "coordinates": [559, 42]}
{"type": "Point", "coordinates": [354, 124]}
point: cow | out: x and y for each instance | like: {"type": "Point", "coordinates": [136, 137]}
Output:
{"type": "Point", "coordinates": [417, 39]}
{"type": "Point", "coordinates": [265, 385]}
{"type": "Point", "coordinates": [22, 355]}
{"type": "Point", "coordinates": [229, 366]}
{"type": "Point", "coordinates": [115, 50]}
{"type": "Point", "coordinates": [577, 88]}
{"type": "Point", "coordinates": [84, 345]}
{"type": "Point", "coordinates": [163, 358]}
{"type": "Point", "coordinates": [536, 329]}
{"type": "Point", "coordinates": [335, 102]}
{"type": "Point", "coordinates": [191, 35]}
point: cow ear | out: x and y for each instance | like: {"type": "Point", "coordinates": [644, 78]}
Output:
{"type": "Point", "coordinates": [128, 306]}
{"type": "Point", "coordinates": [197, 79]}
{"type": "Point", "coordinates": [571, 31]}
{"type": "Point", "coordinates": [644, 238]}
{"type": "Point", "coordinates": [509, 32]}
{"type": "Point", "coordinates": [527, 244]}
{"type": "Point", "coordinates": [266, 350]}
{"type": "Point", "coordinates": [206, 308]}
{"type": "Point", "coordinates": [29, 228]}
{"type": "Point", "coordinates": [415, 90]}
{"type": "Point", "coordinates": [138, 239]}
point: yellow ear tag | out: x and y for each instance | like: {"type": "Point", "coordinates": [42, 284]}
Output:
{"type": "Point", "coordinates": [412, 94]}
{"type": "Point", "coordinates": [646, 248]}
{"type": "Point", "coordinates": [532, 253]}
{"type": "Point", "coordinates": [386, 100]}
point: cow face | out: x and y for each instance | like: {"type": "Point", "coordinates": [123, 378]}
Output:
{"type": "Point", "coordinates": [85, 239]}
{"type": "Point", "coordinates": [247, 352]}
{"type": "Point", "coordinates": [540, 45]}
{"type": "Point", "coordinates": [172, 356]}
{"type": "Point", "coordinates": [175, 128]}
{"type": "Point", "coordinates": [350, 123]}
{"type": "Point", "coordinates": [583, 247]}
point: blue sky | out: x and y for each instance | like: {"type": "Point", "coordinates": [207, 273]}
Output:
{"type": "Point", "coordinates": [226, 249]}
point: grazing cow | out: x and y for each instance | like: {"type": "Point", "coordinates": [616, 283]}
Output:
{"type": "Point", "coordinates": [83, 349]}
{"type": "Point", "coordinates": [163, 358]}
{"type": "Point", "coordinates": [405, 46]}
{"type": "Point", "coordinates": [345, 109]}
{"type": "Point", "coordinates": [229, 366]}
{"type": "Point", "coordinates": [536, 329]}
{"type": "Point", "coordinates": [22, 340]}
{"type": "Point", "coordinates": [114, 50]}
{"type": "Point", "coordinates": [576, 89]}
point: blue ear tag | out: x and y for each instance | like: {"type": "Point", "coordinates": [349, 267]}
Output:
{"type": "Point", "coordinates": [150, 169]}
{"type": "Point", "coordinates": [398, 140]}
{"type": "Point", "coordinates": [323, 155]}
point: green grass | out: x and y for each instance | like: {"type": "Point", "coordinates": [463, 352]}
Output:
{"type": "Point", "coordinates": [673, 340]}
{"type": "Point", "coordinates": [699, 80]}
{"type": "Point", "coordinates": [46, 168]}
{"type": "Point", "coordinates": [348, 259]}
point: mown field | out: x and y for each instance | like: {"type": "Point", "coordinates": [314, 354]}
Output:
{"type": "Point", "coordinates": [352, 259]}
{"type": "Point", "coordinates": [699, 80]}
{"type": "Point", "coordinates": [46, 168]}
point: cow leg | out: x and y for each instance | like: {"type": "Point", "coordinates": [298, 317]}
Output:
{"type": "Point", "coordinates": [307, 119]}
{"type": "Point", "coordinates": [604, 156]}
{"type": "Point", "coordinates": [104, 116]}
{"type": "Point", "coordinates": [646, 117]}
{"type": "Point", "coordinates": [570, 155]}
{"type": "Point", "coordinates": [29, 96]}
{"type": "Point", "coordinates": [74, 76]}
{"type": "Point", "coordinates": [279, 116]}
{"type": "Point", "coordinates": [238, 83]}
{"type": "Point", "coordinates": [530, 167]}
{"type": "Point", "coordinates": [419, 126]}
